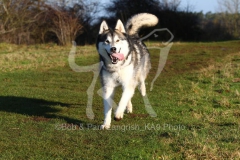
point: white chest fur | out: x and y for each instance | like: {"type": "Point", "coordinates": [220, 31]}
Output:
{"type": "Point", "coordinates": [123, 76]}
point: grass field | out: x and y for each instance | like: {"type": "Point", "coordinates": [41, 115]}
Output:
{"type": "Point", "coordinates": [196, 97]}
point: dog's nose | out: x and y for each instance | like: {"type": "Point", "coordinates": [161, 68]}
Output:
{"type": "Point", "coordinates": [113, 49]}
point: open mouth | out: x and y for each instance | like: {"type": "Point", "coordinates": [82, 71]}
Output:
{"type": "Point", "coordinates": [115, 57]}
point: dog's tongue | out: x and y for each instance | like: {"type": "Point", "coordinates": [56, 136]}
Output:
{"type": "Point", "coordinates": [120, 56]}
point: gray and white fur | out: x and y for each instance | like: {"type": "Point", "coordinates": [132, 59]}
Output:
{"type": "Point", "coordinates": [126, 62]}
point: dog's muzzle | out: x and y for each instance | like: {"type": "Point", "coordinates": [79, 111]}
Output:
{"type": "Point", "coordinates": [115, 57]}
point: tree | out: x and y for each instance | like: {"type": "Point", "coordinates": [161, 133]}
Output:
{"type": "Point", "coordinates": [124, 9]}
{"type": "Point", "coordinates": [184, 25]}
{"type": "Point", "coordinates": [64, 23]}
{"type": "Point", "coordinates": [231, 16]}
{"type": "Point", "coordinates": [231, 6]}
{"type": "Point", "coordinates": [16, 20]}
{"type": "Point", "coordinates": [35, 21]}
{"type": "Point", "coordinates": [171, 5]}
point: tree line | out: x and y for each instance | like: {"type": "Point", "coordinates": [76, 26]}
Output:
{"type": "Point", "coordinates": [61, 22]}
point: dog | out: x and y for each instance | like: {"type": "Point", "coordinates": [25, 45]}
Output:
{"type": "Point", "coordinates": [126, 62]}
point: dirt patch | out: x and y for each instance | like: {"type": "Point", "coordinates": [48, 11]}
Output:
{"type": "Point", "coordinates": [236, 80]}
{"type": "Point", "coordinates": [139, 115]}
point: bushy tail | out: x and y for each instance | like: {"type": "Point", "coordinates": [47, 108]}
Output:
{"type": "Point", "coordinates": [135, 23]}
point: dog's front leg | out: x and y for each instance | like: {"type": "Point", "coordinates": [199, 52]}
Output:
{"type": "Point", "coordinates": [126, 97]}
{"type": "Point", "coordinates": [108, 101]}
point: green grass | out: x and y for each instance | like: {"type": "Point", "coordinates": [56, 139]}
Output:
{"type": "Point", "coordinates": [196, 98]}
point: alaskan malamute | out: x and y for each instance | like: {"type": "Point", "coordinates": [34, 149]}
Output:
{"type": "Point", "coordinates": [126, 62]}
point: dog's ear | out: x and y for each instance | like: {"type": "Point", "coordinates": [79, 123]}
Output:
{"type": "Point", "coordinates": [120, 27]}
{"type": "Point", "coordinates": [103, 27]}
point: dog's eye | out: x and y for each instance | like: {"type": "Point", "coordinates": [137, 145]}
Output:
{"type": "Point", "coordinates": [117, 40]}
{"type": "Point", "coordinates": [107, 41]}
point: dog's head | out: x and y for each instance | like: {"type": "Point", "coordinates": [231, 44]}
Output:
{"type": "Point", "coordinates": [112, 45]}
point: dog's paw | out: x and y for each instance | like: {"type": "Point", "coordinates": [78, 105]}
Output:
{"type": "Point", "coordinates": [142, 88]}
{"type": "Point", "coordinates": [105, 127]}
{"type": "Point", "coordinates": [143, 93]}
{"type": "Point", "coordinates": [129, 110]}
{"type": "Point", "coordinates": [118, 116]}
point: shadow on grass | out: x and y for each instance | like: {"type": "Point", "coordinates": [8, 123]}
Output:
{"type": "Point", "coordinates": [40, 109]}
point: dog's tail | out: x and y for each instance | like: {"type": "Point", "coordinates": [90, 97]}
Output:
{"type": "Point", "coordinates": [135, 23]}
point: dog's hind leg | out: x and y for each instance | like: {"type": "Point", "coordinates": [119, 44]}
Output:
{"type": "Point", "coordinates": [129, 107]}
{"type": "Point", "coordinates": [142, 88]}
{"type": "Point", "coordinates": [146, 66]}
{"type": "Point", "coordinates": [141, 85]}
